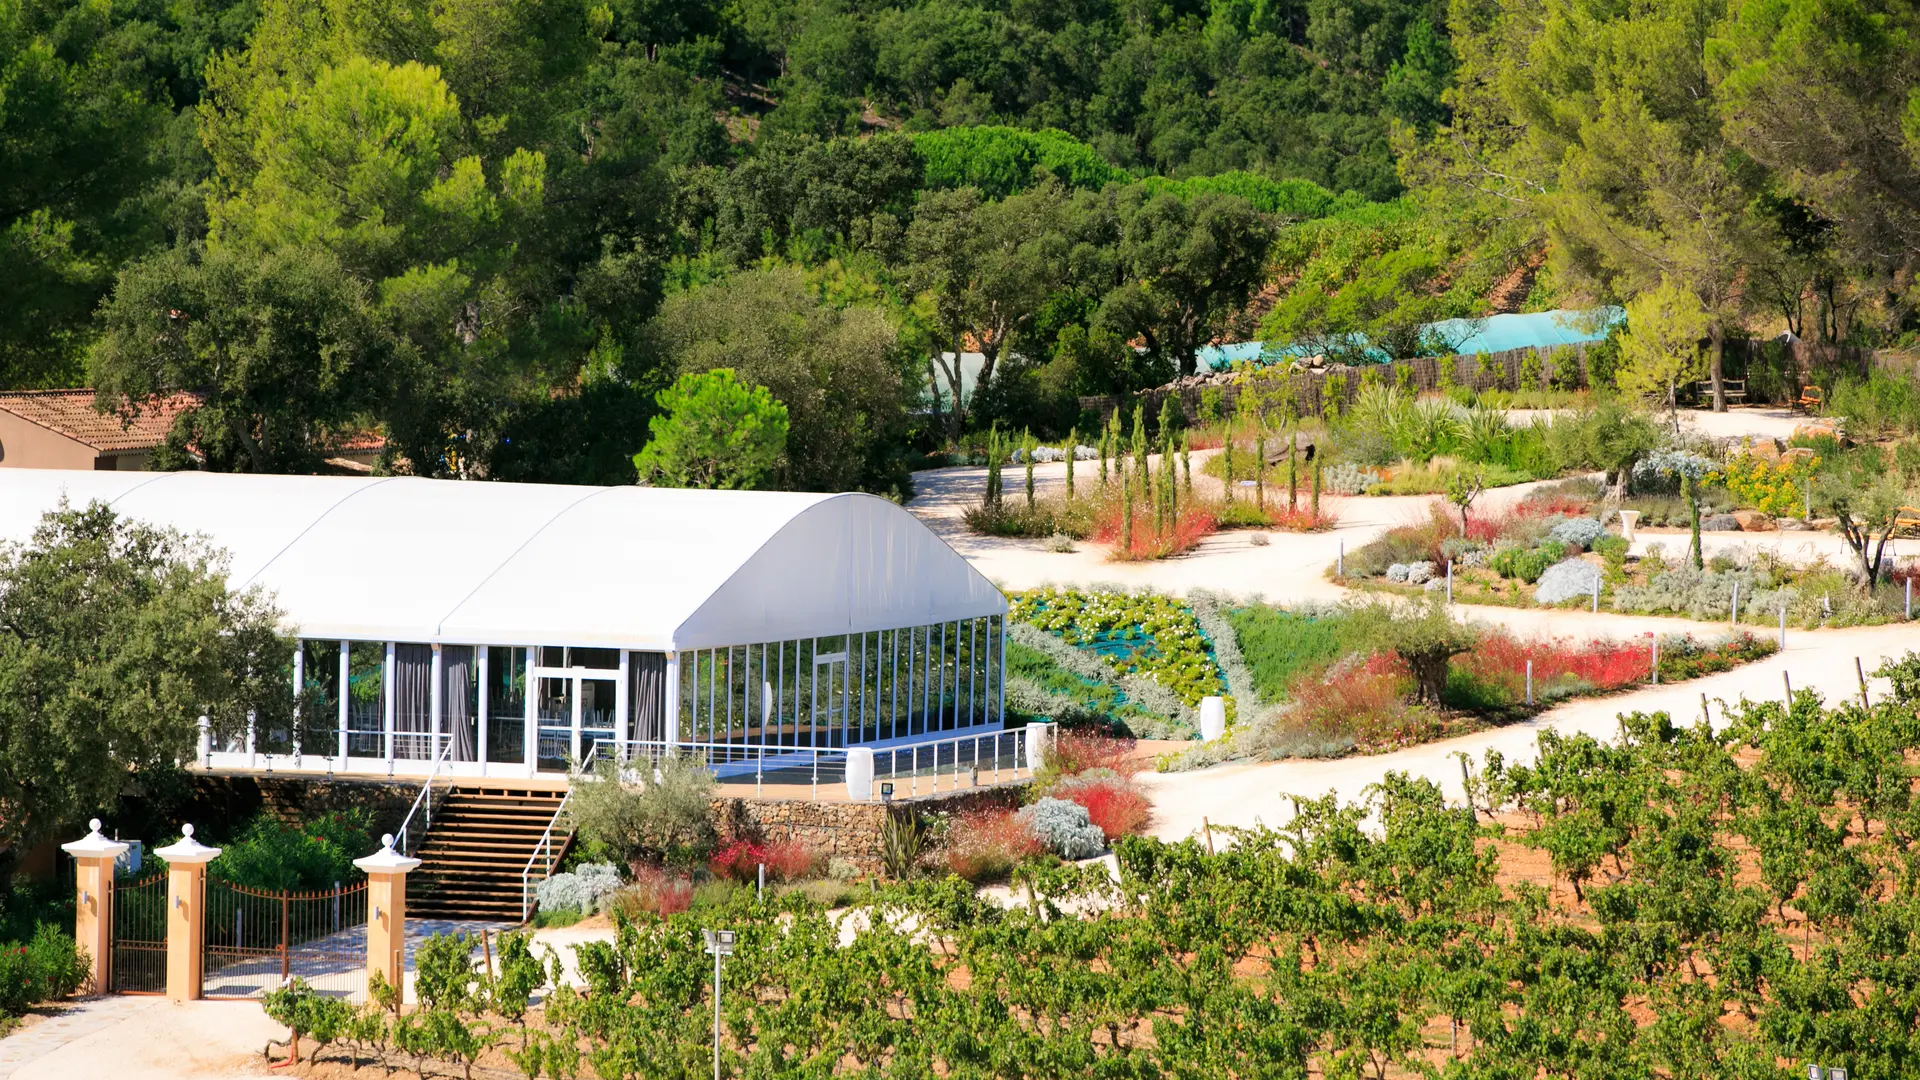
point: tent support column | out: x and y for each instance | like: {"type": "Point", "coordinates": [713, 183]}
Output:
{"type": "Point", "coordinates": [344, 695]}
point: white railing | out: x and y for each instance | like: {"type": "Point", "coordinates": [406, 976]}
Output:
{"type": "Point", "coordinates": [942, 764]}
{"type": "Point", "coordinates": [423, 802]}
{"type": "Point", "coordinates": [547, 850]}
{"type": "Point", "coordinates": [993, 756]}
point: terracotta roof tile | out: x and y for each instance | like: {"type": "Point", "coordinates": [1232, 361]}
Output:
{"type": "Point", "coordinates": [71, 413]}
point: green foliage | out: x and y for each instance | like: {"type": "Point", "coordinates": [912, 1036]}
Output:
{"type": "Point", "coordinates": [305, 856]}
{"type": "Point", "coordinates": [666, 820]}
{"type": "Point", "coordinates": [903, 838]}
{"type": "Point", "coordinates": [47, 967]}
{"type": "Point", "coordinates": [1280, 644]}
{"type": "Point", "coordinates": [122, 635]}
{"type": "Point", "coordinates": [1000, 161]}
{"type": "Point", "coordinates": [714, 432]}
{"type": "Point", "coordinates": [1134, 633]}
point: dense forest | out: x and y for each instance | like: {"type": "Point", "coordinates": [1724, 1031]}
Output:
{"type": "Point", "coordinates": [495, 230]}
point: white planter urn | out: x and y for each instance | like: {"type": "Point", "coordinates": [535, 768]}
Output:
{"type": "Point", "coordinates": [1213, 717]}
{"type": "Point", "coordinates": [1628, 519]}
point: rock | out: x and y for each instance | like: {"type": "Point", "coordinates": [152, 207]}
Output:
{"type": "Point", "coordinates": [1420, 573]}
{"type": "Point", "coordinates": [1754, 521]}
{"type": "Point", "coordinates": [1817, 429]}
{"type": "Point", "coordinates": [1719, 523]}
{"type": "Point", "coordinates": [1792, 524]}
{"type": "Point", "coordinates": [1566, 580]}
{"type": "Point", "coordinates": [1765, 449]}
{"type": "Point", "coordinates": [1798, 455]}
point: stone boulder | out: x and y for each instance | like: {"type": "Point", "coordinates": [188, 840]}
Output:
{"type": "Point", "coordinates": [1764, 449]}
{"type": "Point", "coordinates": [1819, 428]}
{"type": "Point", "coordinates": [1719, 523]}
{"type": "Point", "coordinates": [1754, 521]}
{"type": "Point", "coordinates": [1793, 524]}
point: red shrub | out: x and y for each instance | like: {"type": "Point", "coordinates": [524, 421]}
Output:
{"type": "Point", "coordinates": [1501, 659]}
{"type": "Point", "coordinates": [986, 845]}
{"type": "Point", "coordinates": [1304, 519]}
{"type": "Point", "coordinates": [1077, 751]}
{"type": "Point", "coordinates": [1554, 506]}
{"type": "Point", "coordinates": [656, 891]}
{"type": "Point", "coordinates": [1369, 702]}
{"type": "Point", "coordinates": [1114, 803]}
{"type": "Point", "coordinates": [741, 860]}
{"type": "Point", "coordinates": [1191, 525]}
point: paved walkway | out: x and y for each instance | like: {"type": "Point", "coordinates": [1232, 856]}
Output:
{"type": "Point", "coordinates": [64, 1024]}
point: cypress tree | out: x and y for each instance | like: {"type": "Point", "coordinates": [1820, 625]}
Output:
{"type": "Point", "coordinates": [1073, 443]}
{"type": "Point", "coordinates": [1293, 483]}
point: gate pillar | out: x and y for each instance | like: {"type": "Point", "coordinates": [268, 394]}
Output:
{"type": "Point", "coordinates": [387, 872]}
{"type": "Point", "coordinates": [186, 918]}
{"type": "Point", "coordinates": [93, 857]}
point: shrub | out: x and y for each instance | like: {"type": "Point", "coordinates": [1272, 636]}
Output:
{"type": "Point", "coordinates": [1064, 828]}
{"type": "Point", "coordinates": [741, 860]}
{"type": "Point", "coordinates": [1191, 525]}
{"type": "Point", "coordinates": [986, 845]}
{"type": "Point", "coordinates": [1435, 481]}
{"type": "Point", "coordinates": [1348, 478]}
{"type": "Point", "coordinates": [1117, 805]}
{"type": "Point", "coordinates": [579, 890]}
{"type": "Point", "coordinates": [655, 891]}
{"type": "Point", "coordinates": [1578, 532]}
{"type": "Point", "coordinates": [313, 854]}
{"type": "Point", "coordinates": [1611, 547]}
{"type": "Point", "coordinates": [1772, 487]}
{"type": "Point", "coordinates": [668, 820]}
{"type": "Point", "coordinates": [1076, 752]}
{"type": "Point", "coordinates": [1358, 702]}
{"type": "Point", "coordinates": [47, 968]}
{"type": "Point", "coordinates": [1304, 519]}
{"type": "Point", "coordinates": [1527, 565]}
{"type": "Point", "coordinates": [1566, 580]}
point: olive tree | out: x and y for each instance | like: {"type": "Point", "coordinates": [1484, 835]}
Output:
{"type": "Point", "coordinates": [115, 637]}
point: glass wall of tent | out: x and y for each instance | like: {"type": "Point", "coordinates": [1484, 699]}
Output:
{"type": "Point", "coordinates": [513, 709]}
{"type": "Point", "coordinates": [844, 690]}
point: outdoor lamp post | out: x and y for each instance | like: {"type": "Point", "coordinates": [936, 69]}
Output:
{"type": "Point", "coordinates": [719, 943]}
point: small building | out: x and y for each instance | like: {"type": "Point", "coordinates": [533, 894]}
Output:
{"type": "Point", "coordinates": [483, 629]}
{"type": "Point", "coordinates": [61, 429]}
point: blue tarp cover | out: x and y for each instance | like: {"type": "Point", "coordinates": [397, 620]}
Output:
{"type": "Point", "coordinates": [1498, 333]}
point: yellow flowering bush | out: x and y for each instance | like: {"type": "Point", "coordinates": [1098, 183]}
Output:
{"type": "Point", "coordinates": [1772, 487]}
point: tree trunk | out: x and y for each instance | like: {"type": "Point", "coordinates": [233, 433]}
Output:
{"type": "Point", "coordinates": [1716, 356]}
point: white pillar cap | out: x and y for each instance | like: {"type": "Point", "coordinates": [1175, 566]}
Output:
{"type": "Point", "coordinates": [387, 860]}
{"type": "Point", "coordinates": [187, 851]}
{"type": "Point", "coordinates": [94, 846]}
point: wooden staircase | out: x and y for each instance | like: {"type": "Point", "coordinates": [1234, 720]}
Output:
{"type": "Point", "coordinates": [472, 857]}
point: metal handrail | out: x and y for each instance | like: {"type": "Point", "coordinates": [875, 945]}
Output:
{"type": "Point", "coordinates": [423, 798]}
{"type": "Point", "coordinates": [1016, 739]}
{"type": "Point", "coordinates": [543, 847]}
{"type": "Point", "coordinates": [764, 758]}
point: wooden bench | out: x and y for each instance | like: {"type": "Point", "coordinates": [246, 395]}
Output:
{"type": "Point", "coordinates": [1734, 389]}
{"type": "Point", "coordinates": [1812, 399]}
{"type": "Point", "coordinates": [1907, 517]}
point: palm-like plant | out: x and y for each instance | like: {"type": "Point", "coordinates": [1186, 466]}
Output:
{"type": "Point", "coordinates": [1483, 432]}
{"type": "Point", "coordinates": [1433, 426]}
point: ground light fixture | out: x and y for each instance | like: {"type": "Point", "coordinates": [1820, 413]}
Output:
{"type": "Point", "coordinates": [720, 943]}
{"type": "Point", "coordinates": [886, 791]}
{"type": "Point", "coordinates": [1815, 1072]}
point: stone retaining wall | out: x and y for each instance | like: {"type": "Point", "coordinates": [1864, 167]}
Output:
{"type": "Point", "coordinates": [849, 831]}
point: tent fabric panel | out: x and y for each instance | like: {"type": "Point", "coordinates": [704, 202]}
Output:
{"type": "Point", "coordinates": [884, 569]}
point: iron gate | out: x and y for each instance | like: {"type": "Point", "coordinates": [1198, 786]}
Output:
{"type": "Point", "coordinates": [138, 964]}
{"type": "Point", "coordinates": [258, 938]}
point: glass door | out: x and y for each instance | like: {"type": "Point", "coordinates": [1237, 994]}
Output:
{"type": "Point", "coordinates": [554, 711]}
{"type": "Point", "coordinates": [594, 699]}
{"type": "Point", "coordinates": [829, 700]}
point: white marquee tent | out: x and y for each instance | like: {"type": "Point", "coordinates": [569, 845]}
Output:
{"type": "Point", "coordinates": [595, 571]}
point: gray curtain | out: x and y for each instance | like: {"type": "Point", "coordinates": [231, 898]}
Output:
{"type": "Point", "coordinates": [412, 696]}
{"type": "Point", "coordinates": [456, 699]}
{"type": "Point", "coordinates": [648, 672]}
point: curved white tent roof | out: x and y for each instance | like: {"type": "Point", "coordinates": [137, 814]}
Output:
{"type": "Point", "coordinates": [406, 559]}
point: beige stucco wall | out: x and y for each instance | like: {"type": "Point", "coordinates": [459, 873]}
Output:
{"type": "Point", "coordinates": [25, 445]}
